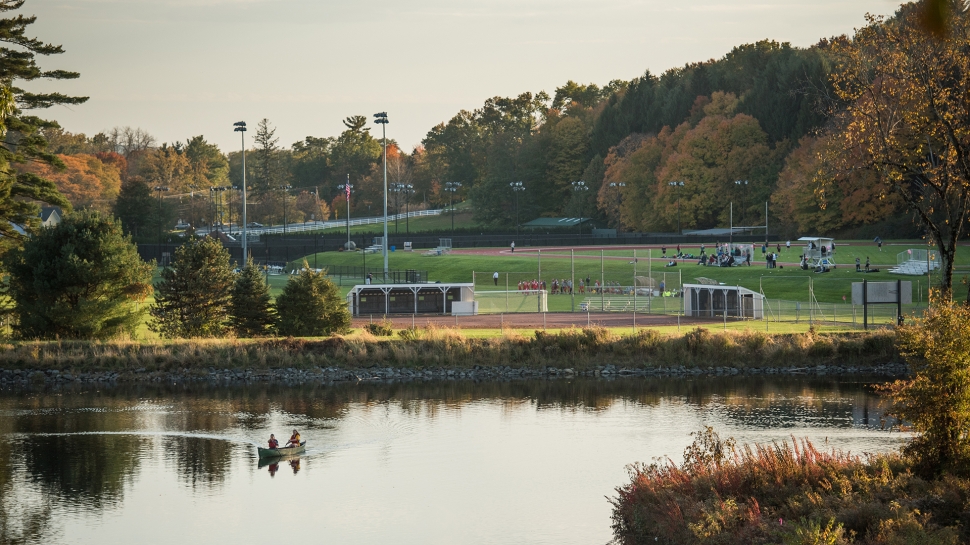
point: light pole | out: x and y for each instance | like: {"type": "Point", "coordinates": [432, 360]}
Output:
{"type": "Point", "coordinates": [516, 188]}
{"type": "Point", "coordinates": [284, 189]}
{"type": "Point", "coordinates": [397, 188]}
{"type": "Point", "coordinates": [231, 189]}
{"type": "Point", "coordinates": [212, 209]}
{"type": "Point", "coordinates": [618, 186]}
{"type": "Point", "coordinates": [580, 188]}
{"type": "Point", "coordinates": [240, 127]}
{"type": "Point", "coordinates": [408, 191]}
{"type": "Point", "coordinates": [451, 188]}
{"type": "Point", "coordinates": [744, 190]}
{"type": "Point", "coordinates": [381, 119]}
{"type": "Point", "coordinates": [217, 216]}
{"type": "Point", "coordinates": [677, 185]}
{"type": "Point", "coordinates": [159, 190]}
{"type": "Point", "coordinates": [347, 189]}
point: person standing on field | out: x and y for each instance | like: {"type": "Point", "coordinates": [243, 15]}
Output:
{"type": "Point", "coordinates": [495, 278]}
{"type": "Point", "coordinates": [513, 246]}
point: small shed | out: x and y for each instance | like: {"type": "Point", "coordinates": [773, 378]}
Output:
{"type": "Point", "coordinates": [710, 301]}
{"type": "Point", "coordinates": [819, 252]}
{"type": "Point", "coordinates": [411, 299]}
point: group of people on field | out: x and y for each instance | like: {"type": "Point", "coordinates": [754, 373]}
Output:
{"type": "Point", "coordinates": [565, 286]}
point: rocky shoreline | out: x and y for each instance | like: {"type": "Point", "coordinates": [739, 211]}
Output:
{"type": "Point", "coordinates": [17, 378]}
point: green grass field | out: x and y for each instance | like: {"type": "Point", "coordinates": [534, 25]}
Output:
{"type": "Point", "coordinates": [618, 265]}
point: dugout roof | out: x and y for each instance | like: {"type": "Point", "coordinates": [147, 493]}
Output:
{"type": "Point", "coordinates": [407, 298]}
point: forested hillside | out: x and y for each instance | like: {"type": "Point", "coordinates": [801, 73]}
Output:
{"type": "Point", "coordinates": [658, 153]}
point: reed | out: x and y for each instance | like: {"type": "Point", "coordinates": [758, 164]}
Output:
{"type": "Point", "coordinates": [787, 493]}
{"type": "Point", "coordinates": [437, 347]}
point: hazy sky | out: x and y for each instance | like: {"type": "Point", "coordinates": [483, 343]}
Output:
{"type": "Point", "coordinates": [179, 68]}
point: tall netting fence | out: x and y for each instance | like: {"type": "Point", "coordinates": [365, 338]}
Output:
{"type": "Point", "coordinates": [656, 292]}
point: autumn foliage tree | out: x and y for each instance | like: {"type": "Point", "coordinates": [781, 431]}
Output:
{"type": "Point", "coordinates": [84, 179]}
{"type": "Point", "coordinates": [907, 118]}
{"type": "Point", "coordinates": [935, 401]}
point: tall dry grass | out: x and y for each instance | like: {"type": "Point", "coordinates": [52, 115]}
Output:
{"type": "Point", "coordinates": [448, 347]}
{"type": "Point", "coordinates": [789, 493]}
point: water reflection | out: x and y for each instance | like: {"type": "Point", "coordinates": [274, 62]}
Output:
{"type": "Point", "coordinates": [199, 461]}
{"type": "Point", "coordinates": [272, 465]}
{"type": "Point", "coordinates": [70, 456]}
{"type": "Point", "coordinates": [86, 470]}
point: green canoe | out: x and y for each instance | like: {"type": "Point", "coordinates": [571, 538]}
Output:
{"type": "Point", "coordinates": [284, 451]}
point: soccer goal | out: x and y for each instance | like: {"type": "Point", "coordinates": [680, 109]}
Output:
{"type": "Point", "coordinates": [498, 301]}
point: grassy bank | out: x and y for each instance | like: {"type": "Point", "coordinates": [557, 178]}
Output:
{"type": "Point", "coordinates": [792, 494]}
{"type": "Point", "coordinates": [572, 348]}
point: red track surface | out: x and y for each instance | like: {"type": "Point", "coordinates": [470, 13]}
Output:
{"type": "Point", "coordinates": [533, 320]}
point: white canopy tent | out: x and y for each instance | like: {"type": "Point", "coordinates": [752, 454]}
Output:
{"type": "Point", "coordinates": [819, 252]}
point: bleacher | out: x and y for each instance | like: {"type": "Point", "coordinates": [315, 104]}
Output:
{"type": "Point", "coordinates": [376, 248]}
{"type": "Point", "coordinates": [916, 262]}
{"type": "Point", "coordinates": [444, 247]}
{"type": "Point", "coordinates": [614, 304]}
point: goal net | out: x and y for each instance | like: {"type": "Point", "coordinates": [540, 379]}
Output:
{"type": "Point", "coordinates": [498, 301]}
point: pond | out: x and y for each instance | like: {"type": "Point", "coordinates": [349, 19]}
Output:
{"type": "Point", "coordinates": [422, 462]}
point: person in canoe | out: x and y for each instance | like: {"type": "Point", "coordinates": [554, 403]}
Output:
{"type": "Point", "coordinates": [273, 443]}
{"type": "Point", "coordinates": [294, 439]}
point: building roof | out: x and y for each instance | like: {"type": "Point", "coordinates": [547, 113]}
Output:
{"type": "Point", "coordinates": [47, 211]}
{"type": "Point", "coordinates": [555, 222]}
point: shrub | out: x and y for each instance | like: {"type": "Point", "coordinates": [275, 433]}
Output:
{"type": "Point", "coordinates": [384, 328]}
{"type": "Point", "coordinates": [936, 400]}
{"type": "Point", "coordinates": [410, 334]}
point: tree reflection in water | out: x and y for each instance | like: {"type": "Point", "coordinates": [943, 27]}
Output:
{"type": "Point", "coordinates": [199, 461]}
{"type": "Point", "coordinates": [75, 447]}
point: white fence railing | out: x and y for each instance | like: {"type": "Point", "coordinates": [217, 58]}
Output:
{"type": "Point", "coordinates": [302, 227]}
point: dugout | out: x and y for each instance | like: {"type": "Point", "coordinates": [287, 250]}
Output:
{"type": "Point", "coordinates": [408, 298]}
{"type": "Point", "coordinates": [709, 301]}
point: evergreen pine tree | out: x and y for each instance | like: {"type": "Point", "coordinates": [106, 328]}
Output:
{"type": "Point", "coordinates": [22, 139]}
{"type": "Point", "coordinates": [192, 299]}
{"type": "Point", "coordinates": [135, 207]}
{"type": "Point", "coordinates": [251, 311]}
{"type": "Point", "coordinates": [82, 279]}
{"type": "Point", "coordinates": [311, 306]}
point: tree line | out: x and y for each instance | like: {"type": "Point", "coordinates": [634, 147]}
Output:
{"type": "Point", "coordinates": [84, 279]}
{"type": "Point", "coordinates": [738, 132]}
{"type": "Point", "coordinates": [772, 129]}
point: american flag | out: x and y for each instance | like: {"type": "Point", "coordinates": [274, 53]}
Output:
{"type": "Point", "coordinates": [347, 187]}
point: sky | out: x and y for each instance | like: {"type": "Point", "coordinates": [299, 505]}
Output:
{"type": "Point", "coordinates": [181, 68]}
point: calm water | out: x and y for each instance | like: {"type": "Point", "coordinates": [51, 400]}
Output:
{"type": "Point", "coordinates": [523, 462]}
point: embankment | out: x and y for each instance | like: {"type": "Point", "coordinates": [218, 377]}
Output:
{"type": "Point", "coordinates": [448, 354]}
